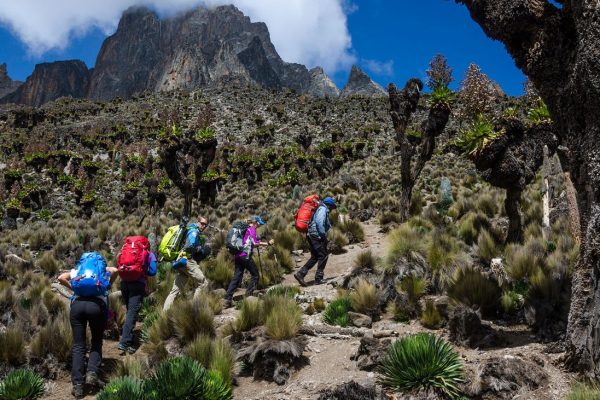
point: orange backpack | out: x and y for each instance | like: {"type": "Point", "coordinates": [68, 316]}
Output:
{"type": "Point", "coordinates": [306, 212]}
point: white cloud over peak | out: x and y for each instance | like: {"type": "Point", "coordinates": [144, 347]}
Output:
{"type": "Point", "coordinates": [311, 32]}
{"type": "Point", "coordinates": [385, 68]}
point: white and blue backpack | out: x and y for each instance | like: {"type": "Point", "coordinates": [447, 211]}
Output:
{"type": "Point", "coordinates": [92, 278]}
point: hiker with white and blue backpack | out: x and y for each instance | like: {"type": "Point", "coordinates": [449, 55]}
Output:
{"type": "Point", "coordinates": [241, 240]}
{"type": "Point", "coordinates": [90, 281]}
{"type": "Point", "coordinates": [135, 263]}
{"type": "Point", "coordinates": [185, 246]}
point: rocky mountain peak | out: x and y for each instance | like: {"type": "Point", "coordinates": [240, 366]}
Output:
{"type": "Point", "coordinates": [7, 85]}
{"type": "Point", "coordinates": [360, 84]}
{"type": "Point", "coordinates": [321, 84]}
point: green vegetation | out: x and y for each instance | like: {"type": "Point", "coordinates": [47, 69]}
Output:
{"type": "Point", "coordinates": [477, 136]}
{"type": "Point", "coordinates": [336, 313]}
{"type": "Point", "coordinates": [22, 384]}
{"type": "Point", "coordinates": [422, 361]}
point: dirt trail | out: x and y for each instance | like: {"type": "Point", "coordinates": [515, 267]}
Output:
{"type": "Point", "coordinates": [330, 363]}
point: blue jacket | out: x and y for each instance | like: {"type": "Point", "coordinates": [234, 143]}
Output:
{"type": "Point", "coordinates": [194, 244]}
{"type": "Point", "coordinates": [320, 224]}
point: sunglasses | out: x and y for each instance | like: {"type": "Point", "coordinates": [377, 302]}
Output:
{"type": "Point", "coordinates": [203, 223]}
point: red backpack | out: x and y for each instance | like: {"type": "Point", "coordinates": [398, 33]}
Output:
{"type": "Point", "coordinates": [131, 259]}
{"type": "Point", "coordinates": [306, 212]}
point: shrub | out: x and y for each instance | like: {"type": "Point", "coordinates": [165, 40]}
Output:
{"type": "Point", "coordinates": [336, 313]}
{"type": "Point", "coordinates": [251, 314]}
{"type": "Point", "coordinates": [222, 360]}
{"type": "Point", "coordinates": [364, 297]}
{"type": "Point", "coordinates": [22, 384]}
{"type": "Point", "coordinates": [12, 346]}
{"type": "Point", "coordinates": [581, 391]}
{"type": "Point", "coordinates": [353, 230]}
{"type": "Point", "coordinates": [123, 388]}
{"type": "Point", "coordinates": [284, 319]}
{"type": "Point", "coordinates": [511, 301]}
{"type": "Point", "coordinates": [191, 318]}
{"type": "Point", "coordinates": [422, 361]}
{"type": "Point", "coordinates": [431, 318]}
{"type": "Point", "coordinates": [469, 286]}
{"type": "Point", "coordinates": [337, 241]}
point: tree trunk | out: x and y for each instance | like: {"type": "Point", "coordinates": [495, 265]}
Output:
{"type": "Point", "coordinates": [574, 223]}
{"type": "Point", "coordinates": [405, 200]}
{"type": "Point", "coordinates": [512, 204]}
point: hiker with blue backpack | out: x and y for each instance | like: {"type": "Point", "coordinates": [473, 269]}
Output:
{"type": "Point", "coordinates": [90, 281]}
{"type": "Point", "coordinates": [318, 227]}
{"type": "Point", "coordinates": [188, 255]}
{"type": "Point", "coordinates": [241, 240]}
{"type": "Point", "coordinates": [135, 263]}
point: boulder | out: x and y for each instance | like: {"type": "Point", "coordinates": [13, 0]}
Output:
{"type": "Point", "coordinates": [465, 328]}
{"type": "Point", "coordinates": [360, 320]}
{"type": "Point", "coordinates": [352, 391]}
{"type": "Point", "coordinates": [370, 352]}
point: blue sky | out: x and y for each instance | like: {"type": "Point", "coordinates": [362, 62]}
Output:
{"type": "Point", "coordinates": [392, 40]}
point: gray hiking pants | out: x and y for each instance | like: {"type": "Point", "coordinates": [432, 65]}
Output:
{"type": "Point", "coordinates": [192, 270]}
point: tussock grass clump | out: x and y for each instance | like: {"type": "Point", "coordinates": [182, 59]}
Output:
{"type": "Point", "coordinates": [487, 204]}
{"type": "Point", "coordinates": [222, 360]}
{"type": "Point", "coordinates": [284, 318]}
{"type": "Point", "coordinates": [219, 270]}
{"type": "Point", "coordinates": [364, 297]}
{"type": "Point", "coordinates": [584, 391]}
{"type": "Point", "coordinates": [200, 349]}
{"type": "Point", "coordinates": [487, 247]}
{"type": "Point", "coordinates": [521, 263]}
{"type": "Point", "coordinates": [337, 241]}
{"type": "Point", "coordinates": [389, 217]}
{"type": "Point", "coordinates": [191, 318]}
{"type": "Point", "coordinates": [319, 304]}
{"type": "Point", "coordinates": [130, 366]}
{"type": "Point", "coordinates": [12, 346]}
{"type": "Point", "coordinates": [48, 263]}
{"type": "Point", "coordinates": [471, 287]}
{"type": "Point", "coordinates": [54, 338]}
{"type": "Point", "coordinates": [283, 258]}
{"type": "Point", "coordinates": [430, 317]}
{"type": "Point", "coordinates": [511, 301]}
{"type": "Point", "coordinates": [123, 388]}
{"type": "Point", "coordinates": [22, 384]}
{"type": "Point", "coordinates": [422, 361]}
{"type": "Point", "coordinates": [282, 290]}
{"type": "Point", "coordinates": [404, 241]}
{"type": "Point", "coordinates": [413, 286]}
{"type": "Point", "coordinates": [365, 261]}
{"type": "Point", "coordinates": [470, 225]}
{"type": "Point", "coordinates": [251, 315]}
{"type": "Point", "coordinates": [336, 313]}
{"type": "Point", "coordinates": [353, 230]}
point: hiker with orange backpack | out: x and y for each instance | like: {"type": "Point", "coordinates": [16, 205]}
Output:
{"type": "Point", "coordinates": [318, 226]}
{"type": "Point", "coordinates": [90, 281]}
{"type": "Point", "coordinates": [135, 263]}
{"type": "Point", "coordinates": [241, 240]}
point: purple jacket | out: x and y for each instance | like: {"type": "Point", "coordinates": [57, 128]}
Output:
{"type": "Point", "coordinates": [250, 241]}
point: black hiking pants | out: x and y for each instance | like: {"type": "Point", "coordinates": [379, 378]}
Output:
{"type": "Point", "coordinates": [84, 311]}
{"type": "Point", "coordinates": [242, 264]}
{"type": "Point", "coordinates": [132, 293]}
{"type": "Point", "coordinates": [318, 254]}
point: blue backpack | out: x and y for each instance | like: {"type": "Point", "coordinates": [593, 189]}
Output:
{"type": "Point", "coordinates": [92, 278]}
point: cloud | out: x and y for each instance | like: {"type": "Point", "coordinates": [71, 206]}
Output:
{"type": "Point", "coordinates": [311, 32]}
{"type": "Point", "coordinates": [385, 68]}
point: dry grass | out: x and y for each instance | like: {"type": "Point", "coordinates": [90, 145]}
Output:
{"type": "Point", "coordinates": [364, 297]}
{"type": "Point", "coordinates": [284, 319]}
{"type": "Point", "coordinates": [191, 318]}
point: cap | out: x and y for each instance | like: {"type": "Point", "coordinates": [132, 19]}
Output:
{"type": "Point", "coordinates": [330, 202]}
{"type": "Point", "coordinates": [258, 219]}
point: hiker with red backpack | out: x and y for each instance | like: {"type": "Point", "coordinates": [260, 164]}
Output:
{"type": "Point", "coordinates": [90, 281]}
{"type": "Point", "coordinates": [241, 240]}
{"type": "Point", "coordinates": [187, 264]}
{"type": "Point", "coordinates": [135, 263]}
{"type": "Point", "coordinates": [316, 233]}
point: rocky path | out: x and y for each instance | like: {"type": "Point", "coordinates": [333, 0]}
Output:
{"type": "Point", "coordinates": [330, 353]}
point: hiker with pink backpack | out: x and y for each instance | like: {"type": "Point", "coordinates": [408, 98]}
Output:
{"type": "Point", "coordinates": [135, 263]}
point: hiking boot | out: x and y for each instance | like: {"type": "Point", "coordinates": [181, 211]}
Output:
{"type": "Point", "coordinates": [319, 281]}
{"type": "Point", "coordinates": [300, 279]}
{"type": "Point", "coordinates": [77, 391]}
{"type": "Point", "coordinates": [91, 378]}
{"type": "Point", "coordinates": [126, 349]}
{"type": "Point", "coordinates": [227, 304]}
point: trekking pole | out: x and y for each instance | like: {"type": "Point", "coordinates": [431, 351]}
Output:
{"type": "Point", "coordinates": [260, 270]}
{"type": "Point", "coordinates": [279, 276]}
